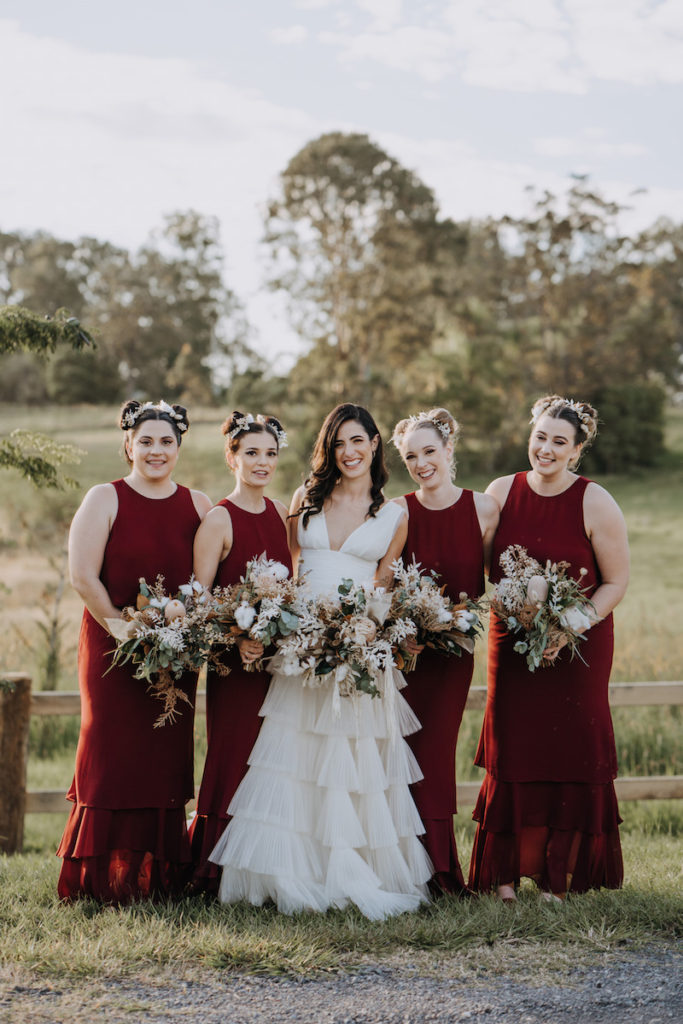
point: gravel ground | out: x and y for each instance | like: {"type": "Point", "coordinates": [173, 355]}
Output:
{"type": "Point", "coordinates": [629, 988]}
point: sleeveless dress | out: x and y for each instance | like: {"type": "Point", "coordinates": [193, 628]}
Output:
{"type": "Point", "coordinates": [547, 806]}
{"type": "Point", "coordinates": [126, 836]}
{"type": "Point", "coordinates": [324, 816]}
{"type": "Point", "coordinates": [233, 701]}
{"type": "Point", "coordinates": [449, 541]}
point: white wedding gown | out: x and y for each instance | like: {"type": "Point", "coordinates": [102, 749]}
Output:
{"type": "Point", "coordinates": [324, 816]}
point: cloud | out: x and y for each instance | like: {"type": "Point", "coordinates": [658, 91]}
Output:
{"type": "Point", "coordinates": [586, 147]}
{"type": "Point", "coordinates": [385, 13]}
{"type": "Point", "coordinates": [288, 36]}
{"type": "Point", "coordinates": [106, 144]}
{"type": "Point", "coordinates": [426, 52]}
{"type": "Point", "coordinates": [543, 45]}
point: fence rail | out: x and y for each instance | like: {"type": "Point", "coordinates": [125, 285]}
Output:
{"type": "Point", "coordinates": [621, 695]}
{"type": "Point", "coordinates": [18, 706]}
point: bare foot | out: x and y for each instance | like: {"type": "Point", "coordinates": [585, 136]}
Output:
{"type": "Point", "coordinates": [550, 897]}
{"type": "Point", "coordinates": [507, 893]}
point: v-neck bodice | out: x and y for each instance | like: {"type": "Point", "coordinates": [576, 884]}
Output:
{"type": "Point", "coordinates": [358, 556]}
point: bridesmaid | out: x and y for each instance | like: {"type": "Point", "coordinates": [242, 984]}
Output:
{"type": "Point", "coordinates": [450, 530]}
{"type": "Point", "coordinates": [547, 807]}
{"type": "Point", "coordinates": [126, 837]}
{"type": "Point", "coordinates": [242, 526]}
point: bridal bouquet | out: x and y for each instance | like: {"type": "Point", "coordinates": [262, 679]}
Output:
{"type": "Point", "coordinates": [542, 603]}
{"type": "Point", "coordinates": [263, 606]}
{"type": "Point", "coordinates": [164, 637]}
{"type": "Point", "coordinates": [340, 637]}
{"type": "Point", "coordinates": [420, 609]}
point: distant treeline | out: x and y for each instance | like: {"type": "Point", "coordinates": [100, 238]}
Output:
{"type": "Point", "coordinates": [397, 308]}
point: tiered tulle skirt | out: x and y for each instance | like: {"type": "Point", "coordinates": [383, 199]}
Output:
{"type": "Point", "coordinates": [324, 816]}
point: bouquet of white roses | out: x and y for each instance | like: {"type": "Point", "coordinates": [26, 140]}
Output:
{"type": "Point", "coordinates": [264, 605]}
{"type": "Point", "coordinates": [340, 638]}
{"type": "Point", "coordinates": [164, 637]}
{"type": "Point", "coordinates": [542, 603]}
{"type": "Point", "coordinates": [421, 609]}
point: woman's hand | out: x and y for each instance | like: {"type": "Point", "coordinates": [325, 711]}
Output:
{"type": "Point", "coordinates": [552, 650]}
{"type": "Point", "coordinates": [412, 647]}
{"type": "Point", "coordinates": [250, 650]}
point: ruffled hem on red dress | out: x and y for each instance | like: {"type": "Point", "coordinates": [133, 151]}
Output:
{"type": "Point", "coordinates": [120, 856]}
{"type": "Point", "coordinates": [564, 835]}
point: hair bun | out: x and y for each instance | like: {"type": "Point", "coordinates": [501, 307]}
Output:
{"type": "Point", "coordinates": [231, 422]}
{"type": "Point", "coordinates": [127, 411]}
{"type": "Point", "coordinates": [582, 415]}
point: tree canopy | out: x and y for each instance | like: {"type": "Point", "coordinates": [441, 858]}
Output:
{"type": "Point", "coordinates": [396, 307]}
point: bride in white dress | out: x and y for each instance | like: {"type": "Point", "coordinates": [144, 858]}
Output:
{"type": "Point", "coordinates": [324, 815]}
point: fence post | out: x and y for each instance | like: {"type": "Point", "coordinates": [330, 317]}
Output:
{"type": "Point", "coordinates": [15, 717]}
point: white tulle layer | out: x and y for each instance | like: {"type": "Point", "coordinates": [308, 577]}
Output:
{"type": "Point", "coordinates": [324, 816]}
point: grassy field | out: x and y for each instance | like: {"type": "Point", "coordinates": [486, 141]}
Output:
{"type": "Point", "coordinates": [42, 936]}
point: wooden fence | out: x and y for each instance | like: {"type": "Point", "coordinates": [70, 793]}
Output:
{"type": "Point", "coordinates": [19, 704]}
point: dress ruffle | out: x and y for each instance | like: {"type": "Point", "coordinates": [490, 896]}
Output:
{"type": "Point", "coordinates": [119, 856]}
{"type": "Point", "coordinates": [569, 831]}
{"type": "Point", "coordinates": [324, 816]}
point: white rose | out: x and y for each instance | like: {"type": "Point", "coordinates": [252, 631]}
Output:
{"type": "Point", "coordinates": [174, 610]}
{"type": "Point", "coordinates": [280, 571]}
{"type": "Point", "coordinates": [244, 615]}
{"type": "Point", "coordinates": [575, 619]}
{"type": "Point", "coordinates": [537, 589]}
{"type": "Point", "coordinates": [379, 603]}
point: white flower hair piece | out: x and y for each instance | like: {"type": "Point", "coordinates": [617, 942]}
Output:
{"type": "Point", "coordinates": [133, 415]}
{"type": "Point", "coordinates": [282, 441]}
{"type": "Point", "coordinates": [585, 419]}
{"type": "Point", "coordinates": [241, 424]}
{"type": "Point", "coordinates": [424, 417]}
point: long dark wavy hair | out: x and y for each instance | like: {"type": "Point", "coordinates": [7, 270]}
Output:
{"type": "Point", "coordinates": [324, 470]}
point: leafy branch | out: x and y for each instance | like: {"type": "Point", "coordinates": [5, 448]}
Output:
{"type": "Point", "coordinates": [37, 457]}
{"type": "Point", "coordinates": [22, 329]}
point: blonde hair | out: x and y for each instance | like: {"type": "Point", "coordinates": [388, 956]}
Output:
{"type": "Point", "coordinates": [441, 422]}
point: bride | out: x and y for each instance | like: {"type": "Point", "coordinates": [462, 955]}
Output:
{"type": "Point", "coordinates": [324, 816]}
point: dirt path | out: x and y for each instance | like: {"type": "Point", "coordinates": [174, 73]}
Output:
{"type": "Point", "coordinates": [630, 988]}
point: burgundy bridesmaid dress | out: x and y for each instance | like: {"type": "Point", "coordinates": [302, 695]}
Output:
{"type": "Point", "coordinates": [547, 807]}
{"type": "Point", "coordinates": [449, 541]}
{"type": "Point", "coordinates": [233, 702]}
{"type": "Point", "coordinates": [126, 837]}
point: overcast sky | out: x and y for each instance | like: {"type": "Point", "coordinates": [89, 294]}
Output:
{"type": "Point", "coordinates": [114, 114]}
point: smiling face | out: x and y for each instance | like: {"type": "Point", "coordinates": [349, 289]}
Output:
{"type": "Point", "coordinates": [153, 449]}
{"type": "Point", "coordinates": [353, 450]}
{"type": "Point", "coordinates": [255, 460]}
{"type": "Point", "coordinates": [427, 458]}
{"type": "Point", "coordinates": [552, 447]}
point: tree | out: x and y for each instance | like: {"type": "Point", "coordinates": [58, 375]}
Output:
{"type": "Point", "coordinates": [165, 319]}
{"type": "Point", "coordinates": [353, 238]}
{"type": "Point", "coordinates": [560, 301]}
{"type": "Point", "coordinates": [35, 456]}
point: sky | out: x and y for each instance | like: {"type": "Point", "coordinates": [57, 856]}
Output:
{"type": "Point", "coordinates": [116, 114]}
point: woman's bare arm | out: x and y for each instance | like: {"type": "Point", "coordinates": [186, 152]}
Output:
{"type": "Point", "coordinates": [88, 538]}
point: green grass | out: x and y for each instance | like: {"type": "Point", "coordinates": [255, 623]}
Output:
{"type": "Point", "coordinates": [83, 940]}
